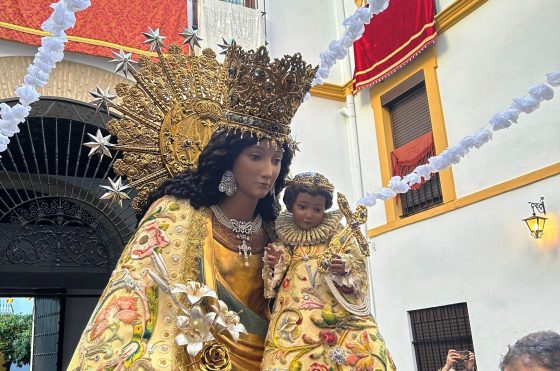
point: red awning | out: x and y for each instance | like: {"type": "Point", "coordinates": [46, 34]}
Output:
{"type": "Point", "coordinates": [392, 39]}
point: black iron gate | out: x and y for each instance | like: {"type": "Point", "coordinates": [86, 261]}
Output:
{"type": "Point", "coordinates": [56, 234]}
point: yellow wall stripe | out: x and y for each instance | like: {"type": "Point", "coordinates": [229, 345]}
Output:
{"type": "Point", "coordinates": [482, 195]}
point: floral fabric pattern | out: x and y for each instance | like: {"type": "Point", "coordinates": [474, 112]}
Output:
{"type": "Point", "coordinates": [310, 330]}
{"type": "Point", "coordinates": [132, 326]}
{"type": "Point", "coordinates": [152, 237]}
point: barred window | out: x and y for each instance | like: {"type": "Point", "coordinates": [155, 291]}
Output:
{"type": "Point", "coordinates": [436, 330]}
{"type": "Point", "coordinates": [410, 119]}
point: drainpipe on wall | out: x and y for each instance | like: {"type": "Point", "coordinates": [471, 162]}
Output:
{"type": "Point", "coordinates": [349, 112]}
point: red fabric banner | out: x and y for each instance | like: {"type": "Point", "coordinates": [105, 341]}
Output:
{"type": "Point", "coordinates": [407, 157]}
{"type": "Point", "coordinates": [392, 39]}
{"type": "Point", "coordinates": [107, 25]}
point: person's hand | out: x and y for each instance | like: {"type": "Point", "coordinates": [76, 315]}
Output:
{"type": "Point", "coordinates": [272, 256]}
{"type": "Point", "coordinates": [338, 266]}
{"type": "Point", "coordinates": [469, 364]}
{"type": "Point", "coordinates": [452, 357]}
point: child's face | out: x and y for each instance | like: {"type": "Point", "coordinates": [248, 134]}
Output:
{"type": "Point", "coordinates": [308, 210]}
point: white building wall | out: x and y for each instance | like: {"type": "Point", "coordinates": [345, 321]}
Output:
{"type": "Point", "coordinates": [488, 58]}
{"type": "Point", "coordinates": [481, 254]}
{"type": "Point", "coordinates": [307, 27]}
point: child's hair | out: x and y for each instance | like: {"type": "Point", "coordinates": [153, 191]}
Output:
{"type": "Point", "coordinates": [292, 191]}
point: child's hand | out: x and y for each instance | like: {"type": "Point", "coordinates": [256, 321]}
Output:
{"type": "Point", "coordinates": [338, 266]}
{"type": "Point", "coordinates": [272, 256]}
{"type": "Point", "coordinates": [347, 290]}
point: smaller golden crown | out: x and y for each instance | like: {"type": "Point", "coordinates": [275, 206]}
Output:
{"type": "Point", "coordinates": [261, 96]}
{"type": "Point", "coordinates": [311, 180]}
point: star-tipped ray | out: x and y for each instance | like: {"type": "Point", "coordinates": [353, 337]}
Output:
{"type": "Point", "coordinates": [115, 191]}
{"type": "Point", "coordinates": [190, 37]}
{"type": "Point", "coordinates": [100, 144]}
{"type": "Point", "coordinates": [154, 39]}
{"type": "Point", "coordinates": [124, 61]}
{"type": "Point", "coordinates": [226, 45]}
{"type": "Point", "coordinates": [102, 98]}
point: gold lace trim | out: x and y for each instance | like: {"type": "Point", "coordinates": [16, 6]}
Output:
{"type": "Point", "coordinates": [290, 233]}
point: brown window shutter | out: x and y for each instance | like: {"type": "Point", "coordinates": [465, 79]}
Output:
{"type": "Point", "coordinates": [410, 115]}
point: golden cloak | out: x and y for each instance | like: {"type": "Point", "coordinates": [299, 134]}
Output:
{"type": "Point", "coordinates": [135, 322]}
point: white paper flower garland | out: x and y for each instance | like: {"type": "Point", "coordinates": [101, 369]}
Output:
{"type": "Point", "coordinates": [50, 52]}
{"type": "Point", "coordinates": [453, 155]}
{"type": "Point", "coordinates": [338, 49]}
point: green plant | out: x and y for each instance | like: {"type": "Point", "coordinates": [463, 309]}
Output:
{"type": "Point", "coordinates": [15, 338]}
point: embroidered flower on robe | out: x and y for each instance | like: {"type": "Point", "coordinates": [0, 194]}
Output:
{"type": "Point", "coordinates": [318, 367]}
{"type": "Point", "coordinates": [152, 236]}
{"type": "Point", "coordinates": [123, 309]}
{"type": "Point", "coordinates": [290, 327]}
{"type": "Point", "coordinates": [363, 358]}
{"type": "Point", "coordinates": [328, 337]}
{"type": "Point", "coordinates": [285, 283]}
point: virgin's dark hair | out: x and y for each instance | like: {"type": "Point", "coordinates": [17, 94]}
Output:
{"type": "Point", "coordinates": [200, 186]}
{"type": "Point", "coordinates": [291, 192]}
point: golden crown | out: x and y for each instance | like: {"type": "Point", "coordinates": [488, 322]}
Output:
{"type": "Point", "coordinates": [311, 180]}
{"type": "Point", "coordinates": [179, 100]}
{"type": "Point", "coordinates": [261, 95]}
{"type": "Point", "coordinates": [168, 117]}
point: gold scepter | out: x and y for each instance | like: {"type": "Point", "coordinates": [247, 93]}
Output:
{"type": "Point", "coordinates": [351, 231]}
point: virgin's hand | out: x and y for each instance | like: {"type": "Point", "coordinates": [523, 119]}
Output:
{"type": "Point", "coordinates": [271, 256]}
{"type": "Point", "coordinates": [338, 266]}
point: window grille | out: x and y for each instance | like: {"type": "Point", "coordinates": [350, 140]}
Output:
{"type": "Point", "coordinates": [436, 330]}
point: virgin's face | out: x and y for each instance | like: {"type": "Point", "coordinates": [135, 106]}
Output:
{"type": "Point", "coordinates": [256, 169]}
{"type": "Point", "coordinates": [308, 210]}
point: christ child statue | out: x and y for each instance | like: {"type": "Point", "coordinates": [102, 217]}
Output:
{"type": "Point", "coordinates": [320, 318]}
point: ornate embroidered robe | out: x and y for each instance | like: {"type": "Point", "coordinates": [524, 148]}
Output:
{"type": "Point", "coordinates": [309, 329]}
{"type": "Point", "coordinates": [135, 322]}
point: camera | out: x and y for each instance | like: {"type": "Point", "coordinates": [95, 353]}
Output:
{"type": "Point", "coordinates": [464, 354]}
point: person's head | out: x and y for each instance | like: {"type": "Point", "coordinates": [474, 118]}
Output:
{"type": "Point", "coordinates": [256, 167]}
{"type": "Point", "coordinates": [307, 197]}
{"type": "Point", "coordinates": [538, 351]}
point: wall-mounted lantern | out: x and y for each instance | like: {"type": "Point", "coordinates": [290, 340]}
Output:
{"type": "Point", "coordinates": [535, 222]}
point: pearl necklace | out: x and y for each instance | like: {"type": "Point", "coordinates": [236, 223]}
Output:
{"type": "Point", "coordinates": [243, 231]}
